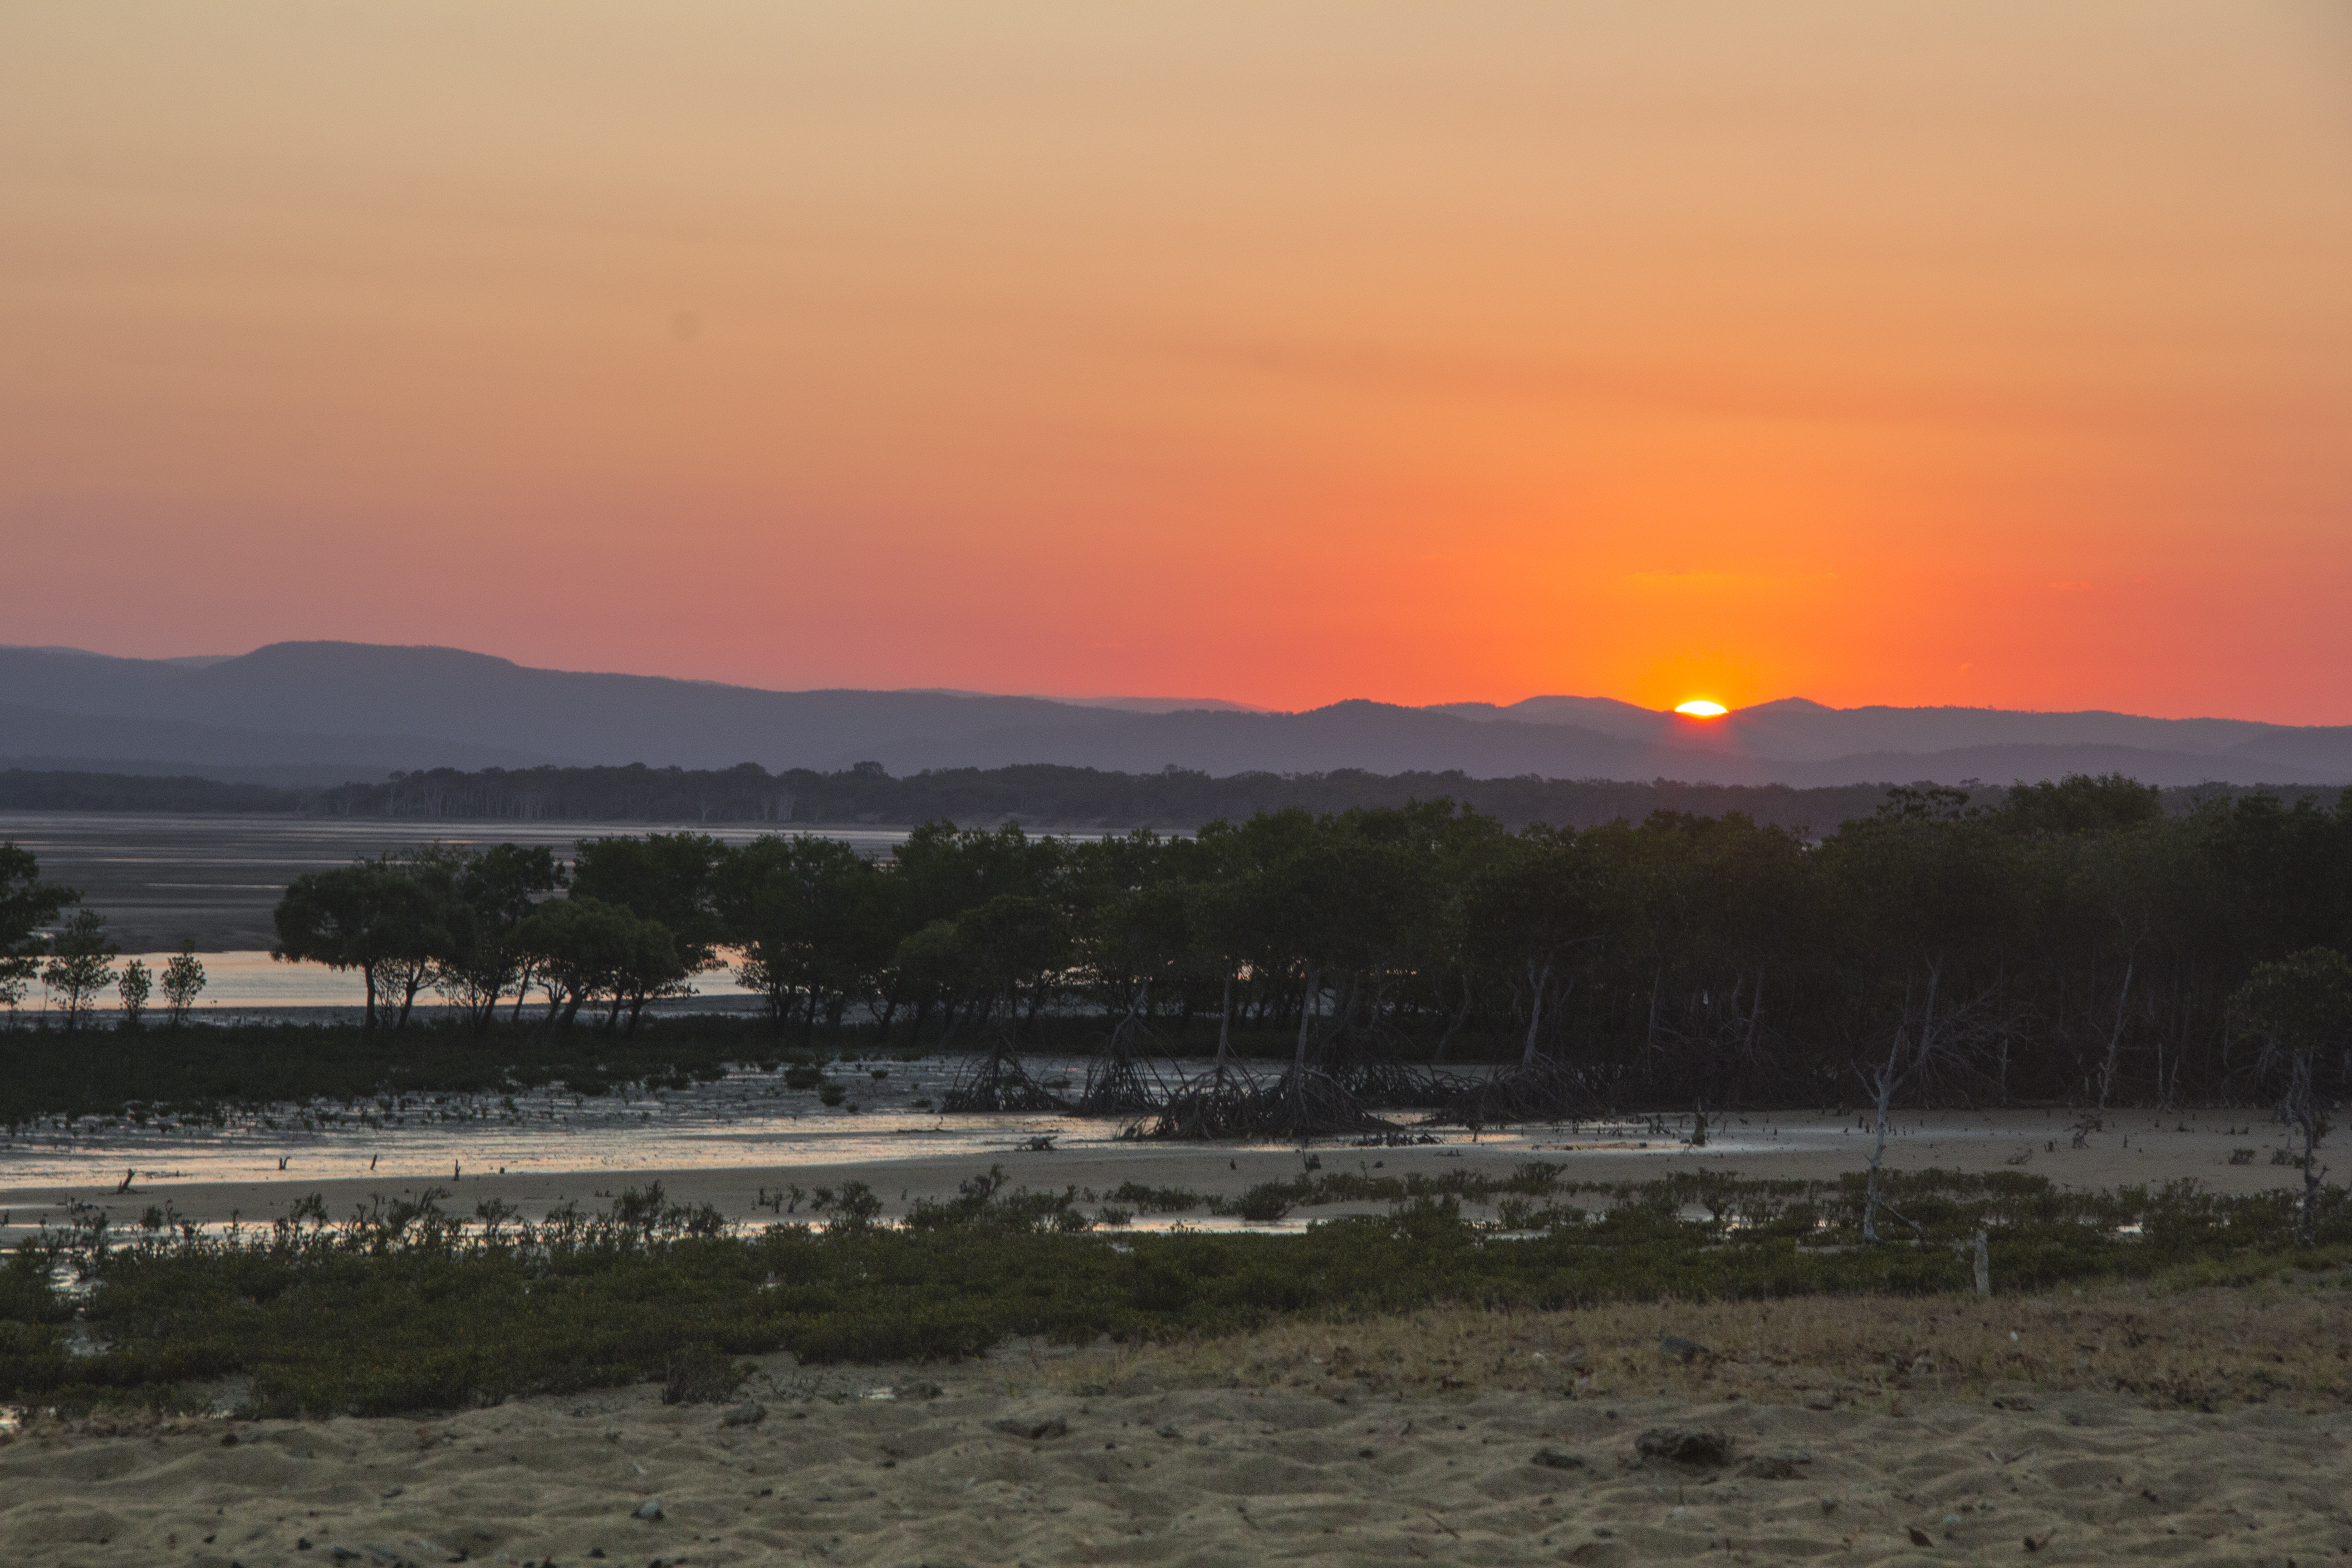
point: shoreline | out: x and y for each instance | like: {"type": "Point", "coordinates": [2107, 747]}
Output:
{"type": "Point", "coordinates": [2137, 1149]}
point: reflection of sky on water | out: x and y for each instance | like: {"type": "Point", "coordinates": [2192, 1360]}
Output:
{"type": "Point", "coordinates": [159, 878]}
{"type": "Point", "coordinates": [749, 1121]}
{"type": "Point", "coordinates": [237, 983]}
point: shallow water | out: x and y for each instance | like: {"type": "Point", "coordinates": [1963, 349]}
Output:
{"type": "Point", "coordinates": [161, 878]}
{"type": "Point", "coordinates": [250, 984]}
{"type": "Point", "coordinates": [749, 1121]}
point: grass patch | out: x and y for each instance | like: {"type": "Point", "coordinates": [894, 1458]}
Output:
{"type": "Point", "coordinates": [2166, 1340]}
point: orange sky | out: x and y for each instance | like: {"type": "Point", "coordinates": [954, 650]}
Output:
{"type": "Point", "coordinates": [1983, 352]}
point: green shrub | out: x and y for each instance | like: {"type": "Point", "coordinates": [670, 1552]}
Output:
{"type": "Point", "coordinates": [701, 1374]}
{"type": "Point", "coordinates": [1265, 1202]}
{"type": "Point", "coordinates": [400, 1308]}
{"type": "Point", "coordinates": [1157, 1200]}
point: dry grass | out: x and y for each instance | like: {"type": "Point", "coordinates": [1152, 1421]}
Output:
{"type": "Point", "coordinates": [2287, 1339]}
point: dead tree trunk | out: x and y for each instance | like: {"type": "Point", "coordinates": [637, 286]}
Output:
{"type": "Point", "coordinates": [1908, 1051]}
{"type": "Point", "coordinates": [1539, 980]}
{"type": "Point", "coordinates": [2116, 1035]}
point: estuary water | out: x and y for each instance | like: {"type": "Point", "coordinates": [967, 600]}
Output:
{"type": "Point", "coordinates": [162, 878]}
{"type": "Point", "coordinates": [749, 1121]}
{"type": "Point", "coordinates": [249, 985]}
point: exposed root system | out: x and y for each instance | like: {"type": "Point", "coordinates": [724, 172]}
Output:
{"type": "Point", "coordinates": [1127, 1079]}
{"type": "Point", "coordinates": [995, 1082]}
{"type": "Point", "coordinates": [1217, 1104]}
{"type": "Point", "coordinates": [1309, 1104]}
{"type": "Point", "coordinates": [1543, 1090]}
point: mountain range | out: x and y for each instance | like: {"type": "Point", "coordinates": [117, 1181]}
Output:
{"type": "Point", "coordinates": [319, 713]}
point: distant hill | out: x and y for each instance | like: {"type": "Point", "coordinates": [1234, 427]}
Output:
{"type": "Point", "coordinates": [303, 712]}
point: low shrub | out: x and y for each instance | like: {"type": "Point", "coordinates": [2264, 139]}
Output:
{"type": "Point", "coordinates": [701, 1375]}
{"type": "Point", "coordinates": [1156, 1200]}
{"type": "Point", "coordinates": [1265, 1203]}
{"type": "Point", "coordinates": [400, 1307]}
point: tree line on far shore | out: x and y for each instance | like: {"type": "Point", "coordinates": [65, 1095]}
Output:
{"type": "Point", "coordinates": [1030, 794]}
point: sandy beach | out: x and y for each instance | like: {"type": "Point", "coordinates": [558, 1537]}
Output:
{"type": "Point", "coordinates": [1921, 1430]}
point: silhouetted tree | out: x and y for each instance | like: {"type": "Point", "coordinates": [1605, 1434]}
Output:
{"type": "Point", "coordinates": [183, 982]}
{"type": "Point", "coordinates": [813, 921]}
{"type": "Point", "coordinates": [134, 985]}
{"type": "Point", "coordinates": [375, 917]}
{"type": "Point", "coordinates": [81, 964]}
{"type": "Point", "coordinates": [27, 905]}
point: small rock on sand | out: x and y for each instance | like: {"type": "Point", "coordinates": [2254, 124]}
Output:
{"type": "Point", "coordinates": [1685, 1445]}
{"type": "Point", "coordinates": [1034, 1431]}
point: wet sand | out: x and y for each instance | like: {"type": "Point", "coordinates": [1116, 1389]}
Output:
{"type": "Point", "coordinates": [2136, 1148]}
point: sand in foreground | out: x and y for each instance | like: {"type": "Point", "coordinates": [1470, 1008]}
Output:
{"type": "Point", "coordinates": [1305, 1444]}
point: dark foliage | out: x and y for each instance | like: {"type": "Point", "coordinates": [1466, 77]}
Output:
{"type": "Point", "coordinates": [2068, 942]}
{"type": "Point", "coordinates": [23, 789]}
{"type": "Point", "coordinates": [197, 1071]}
{"type": "Point", "coordinates": [399, 1307]}
{"type": "Point", "coordinates": [1041, 792]}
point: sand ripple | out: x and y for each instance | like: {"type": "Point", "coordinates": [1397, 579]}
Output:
{"type": "Point", "coordinates": [1183, 1478]}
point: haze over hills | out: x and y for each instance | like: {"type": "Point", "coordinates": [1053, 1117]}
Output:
{"type": "Point", "coordinates": [320, 711]}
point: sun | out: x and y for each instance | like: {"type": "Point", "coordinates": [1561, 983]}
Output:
{"type": "Point", "coordinates": [1700, 707]}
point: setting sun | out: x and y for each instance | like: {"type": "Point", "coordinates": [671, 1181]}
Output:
{"type": "Point", "coordinates": [1700, 707]}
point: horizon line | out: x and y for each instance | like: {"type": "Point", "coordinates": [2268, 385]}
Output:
{"type": "Point", "coordinates": [1179, 703]}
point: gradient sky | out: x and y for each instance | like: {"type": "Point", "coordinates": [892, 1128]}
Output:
{"type": "Point", "coordinates": [1978, 352]}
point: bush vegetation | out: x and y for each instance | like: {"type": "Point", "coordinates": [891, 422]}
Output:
{"type": "Point", "coordinates": [400, 1307]}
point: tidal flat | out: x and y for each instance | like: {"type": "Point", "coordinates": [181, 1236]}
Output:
{"type": "Point", "coordinates": [746, 1138]}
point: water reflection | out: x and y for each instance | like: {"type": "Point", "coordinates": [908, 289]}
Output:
{"type": "Point", "coordinates": [160, 878]}
{"type": "Point", "coordinates": [251, 982]}
{"type": "Point", "coordinates": [749, 1121]}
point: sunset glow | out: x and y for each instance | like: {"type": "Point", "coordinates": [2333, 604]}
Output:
{"type": "Point", "coordinates": [1700, 707]}
{"type": "Point", "coordinates": [1986, 353]}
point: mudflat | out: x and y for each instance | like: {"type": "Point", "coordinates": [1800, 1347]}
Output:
{"type": "Point", "coordinates": [2229, 1151]}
